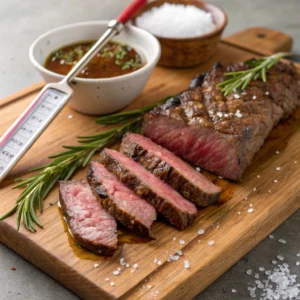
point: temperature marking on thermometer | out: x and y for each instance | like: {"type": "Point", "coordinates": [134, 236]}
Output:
{"type": "Point", "coordinates": [13, 146]}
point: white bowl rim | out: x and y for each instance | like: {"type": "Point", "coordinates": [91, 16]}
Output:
{"type": "Point", "coordinates": [147, 66]}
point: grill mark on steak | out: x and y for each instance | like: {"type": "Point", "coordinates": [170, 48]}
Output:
{"type": "Point", "coordinates": [91, 226]}
{"type": "Point", "coordinates": [172, 170]}
{"type": "Point", "coordinates": [221, 134]}
{"type": "Point", "coordinates": [129, 209]}
{"type": "Point", "coordinates": [178, 211]}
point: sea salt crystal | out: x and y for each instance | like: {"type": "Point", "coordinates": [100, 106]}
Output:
{"type": "Point", "coordinates": [282, 241]}
{"type": "Point", "coordinates": [297, 263]}
{"type": "Point", "coordinates": [269, 191]}
{"type": "Point", "coordinates": [221, 177]}
{"type": "Point", "coordinates": [275, 180]}
{"type": "Point", "coordinates": [116, 273]}
{"type": "Point", "coordinates": [198, 169]}
{"type": "Point", "coordinates": [250, 210]}
{"type": "Point", "coordinates": [181, 242]}
{"type": "Point", "coordinates": [262, 269]}
{"type": "Point", "coordinates": [96, 265]}
{"type": "Point", "coordinates": [135, 266]}
{"type": "Point", "coordinates": [62, 61]}
{"type": "Point", "coordinates": [238, 212]}
{"type": "Point", "coordinates": [211, 243]}
{"type": "Point", "coordinates": [112, 283]}
{"type": "Point", "coordinates": [162, 21]}
{"type": "Point", "coordinates": [246, 198]}
{"type": "Point", "coordinates": [277, 152]}
{"type": "Point", "coordinates": [174, 257]}
{"type": "Point", "coordinates": [238, 113]}
{"type": "Point", "coordinates": [236, 96]}
{"type": "Point", "coordinates": [274, 262]}
{"type": "Point", "coordinates": [256, 275]}
{"type": "Point", "coordinates": [250, 204]}
{"type": "Point", "coordinates": [186, 264]}
{"type": "Point", "coordinates": [70, 116]}
{"type": "Point", "coordinates": [278, 169]}
{"type": "Point", "coordinates": [267, 93]}
{"type": "Point", "coordinates": [258, 176]}
{"type": "Point", "coordinates": [201, 231]}
{"type": "Point", "coordinates": [107, 279]}
{"type": "Point", "coordinates": [127, 265]}
{"type": "Point", "coordinates": [155, 260]}
{"type": "Point", "coordinates": [254, 189]}
{"type": "Point", "coordinates": [219, 114]}
{"type": "Point", "coordinates": [280, 257]}
{"type": "Point", "coordinates": [159, 262]}
{"type": "Point", "coordinates": [298, 254]}
{"type": "Point", "coordinates": [226, 115]}
{"type": "Point", "coordinates": [233, 290]}
{"type": "Point", "coordinates": [174, 238]}
{"type": "Point", "coordinates": [249, 272]}
{"type": "Point", "coordinates": [179, 252]}
{"type": "Point", "coordinates": [254, 97]}
{"type": "Point", "coordinates": [149, 286]}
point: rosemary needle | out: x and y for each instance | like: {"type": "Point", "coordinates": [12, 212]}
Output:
{"type": "Point", "coordinates": [64, 164]}
{"type": "Point", "coordinates": [258, 69]}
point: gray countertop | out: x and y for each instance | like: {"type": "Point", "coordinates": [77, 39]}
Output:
{"type": "Point", "coordinates": [23, 21]}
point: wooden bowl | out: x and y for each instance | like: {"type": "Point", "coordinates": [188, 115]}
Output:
{"type": "Point", "coordinates": [187, 52]}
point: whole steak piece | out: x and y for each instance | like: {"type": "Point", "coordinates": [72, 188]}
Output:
{"type": "Point", "coordinates": [91, 226]}
{"type": "Point", "coordinates": [222, 134]}
{"type": "Point", "coordinates": [168, 167]}
{"type": "Point", "coordinates": [122, 203]}
{"type": "Point", "coordinates": [178, 211]}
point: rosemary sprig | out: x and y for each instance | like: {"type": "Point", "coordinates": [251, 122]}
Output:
{"type": "Point", "coordinates": [259, 67]}
{"type": "Point", "coordinates": [64, 164]}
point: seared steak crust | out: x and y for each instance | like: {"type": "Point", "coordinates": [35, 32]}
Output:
{"type": "Point", "coordinates": [153, 158]}
{"type": "Point", "coordinates": [91, 226]}
{"type": "Point", "coordinates": [180, 218]}
{"type": "Point", "coordinates": [222, 133]}
{"type": "Point", "coordinates": [124, 214]}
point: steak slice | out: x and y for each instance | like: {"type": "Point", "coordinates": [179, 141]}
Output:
{"type": "Point", "coordinates": [222, 133]}
{"type": "Point", "coordinates": [178, 211]}
{"type": "Point", "coordinates": [171, 169]}
{"type": "Point", "coordinates": [91, 226]}
{"type": "Point", "coordinates": [128, 208]}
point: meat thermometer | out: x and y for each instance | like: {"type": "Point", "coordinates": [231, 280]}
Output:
{"type": "Point", "coordinates": [17, 140]}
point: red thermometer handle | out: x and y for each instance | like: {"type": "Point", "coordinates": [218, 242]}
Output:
{"type": "Point", "coordinates": [130, 10]}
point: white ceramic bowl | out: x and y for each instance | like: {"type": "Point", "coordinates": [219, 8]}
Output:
{"type": "Point", "coordinates": [103, 95]}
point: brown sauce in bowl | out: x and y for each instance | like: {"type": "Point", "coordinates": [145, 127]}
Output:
{"type": "Point", "coordinates": [115, 59]}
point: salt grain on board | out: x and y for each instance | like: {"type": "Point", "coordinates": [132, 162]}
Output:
{"type": "Point", "coordinates": [275, 180]}
{"type": "Point", "coordinates": [181, 242]}
{"type": "Point", "coordinates": [278, 169]}
{"type": "Point", "coordinates": [186, 264]}
{"type": "Point", "coordinates": [233, 290]}
{"type": "Point", "coordinates": [116, 273]}
{"type": "Point", "coordinates": [211, 243]}
{"type": "Point", "coordinates": [277, 152]}
{"type": "Point", "coordinates": [96, 265]}
{"type": "Point", "coordinates": [70, 116]}
{"type": "Point", "coordinates": [107, 279]}
{"type": "Point", "coordinates": [249, 272]}
{"type": "Point", "coordinates": [112, 283]}
{"type": "Point", "coordinates": [135, 266]}
{"type": "Point", "coordinates": [201, 231]}
{"type": "Point", "coordinates": [250, 210]}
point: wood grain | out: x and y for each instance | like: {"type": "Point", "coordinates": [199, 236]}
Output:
{"type": "Point", "coordinates": [52, 250]}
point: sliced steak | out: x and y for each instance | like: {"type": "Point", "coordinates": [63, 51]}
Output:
{"type": "Point", "coordinates": [127, 207]}
{"type": "Point", "coordinates": [171, 169]}
{"type": "Point", "coordinates": [218, 133]}
{"type": "Point", "coordinates": [91, 226]}
{"type": "Point", "coordinates": [177, 210]}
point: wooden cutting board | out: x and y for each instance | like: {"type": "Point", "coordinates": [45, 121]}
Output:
{"type": "Point", "coordinates": [234, 230]}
